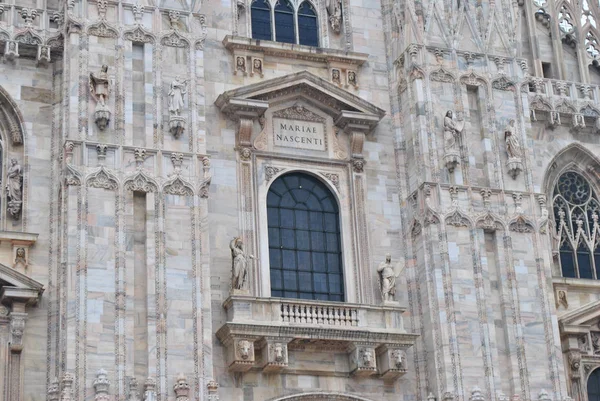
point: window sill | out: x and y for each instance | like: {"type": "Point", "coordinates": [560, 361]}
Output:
{"type": "Point", "coordinates": [293, 51]}
{"type": "Point", "coordinates": [579, 283]}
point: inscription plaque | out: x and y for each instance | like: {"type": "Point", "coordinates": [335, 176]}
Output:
{"type": "Point", "coordinates": [299, 134]}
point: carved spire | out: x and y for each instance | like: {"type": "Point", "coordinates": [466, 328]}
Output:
{"type": "Point", "coordinates": [150, 389]}
{"type": "Point", "coordinates": [133, 390]}
{"type": "Point", "coordinates": [181, 388]}
{"type": "Point", "coordinates": [476, 394]}
{"type": "Point", "coordinates": [212, 387]}
{"type": "Point", "coordinates": [101, 385]}
{"type": "Point", "coordinates": [67, 387]}
{"type": "Point", "coordinates": [54, 390]}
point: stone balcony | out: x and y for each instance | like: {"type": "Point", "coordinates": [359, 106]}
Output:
{"type": "Point", "coordinates": [263, 333]}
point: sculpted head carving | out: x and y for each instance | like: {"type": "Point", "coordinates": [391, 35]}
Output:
{"type": "Point", "coordinates": [244, 348]}
{"type": "Point", "coordinates": [367, 358]}
{"type": "Point", "coordinates": [398, 359]}
{"type": "Point", "coordinates": [257, 64]}
{"type": "Point", "coordinates": [449, 113]}
{"type": "Point", "coordinates": [278, 352]}
{"type": "Point", "coordinates": [21, 253]}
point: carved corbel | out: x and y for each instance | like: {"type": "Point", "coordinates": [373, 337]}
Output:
{"type": "Point", "coordinates": [274, 353]}
{"type": "Point", "coordinates": [391, 362]}
{"type": "Point", "coordinates": [240, 354]}
{"type": "Point", "coordinates": [363, 360]}
{"type": "Point", "coordinates": [17, 327]}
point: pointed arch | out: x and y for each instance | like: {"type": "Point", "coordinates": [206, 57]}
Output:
{"type": "Point", "coordinates": [140, 182]}
{"type": "Point", "coordinates": [178, 186]}
{"type": "Point", "coordinates": [102, 178]}
{"type": "Point", "coordinates": [11, 119]}
{"type": "Point", "coordinates": [571, 183]}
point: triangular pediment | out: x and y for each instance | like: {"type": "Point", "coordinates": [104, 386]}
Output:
{"type": "Point", "coordinates": [304, 85]}
{"type": "Point", "coordinates": [585, 316]}
{"type": "Point", "coordinates": [17, 287]}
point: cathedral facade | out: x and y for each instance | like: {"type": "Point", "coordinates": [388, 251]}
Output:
{"type": "Point", "coordinates": [269, 200]}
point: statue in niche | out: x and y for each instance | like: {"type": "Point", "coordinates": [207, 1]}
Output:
{"type": "Point", "coordinates": [452, 130]}
{"type": "Point", "coordinates": [334, 10]}
{"type": "Point", "coordinates": [99, 85]}
{"type": "Point", "coordinates": [239, 265]}
{"type": "Point", "coordinates": [20, 259]}
{"type": "Point", "coordinates": [14, 188]}
{"type": "Point", "coordinates": [99, 88]}
{"type": "Point", "coordinates": [513, 147]}
{"type": "Point", "coordinates": [387, 279]}
{"type": "Point", "coordinates": [178, 90]}
{"type": "Point", "coordinates": [335, 76]}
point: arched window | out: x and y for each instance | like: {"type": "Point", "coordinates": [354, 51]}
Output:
{"type": "Point", "coordinates": [285, 17]}
{"type": "Point", "coordinates": [593, 386]}
{"type": "Point", "coordinates": [261, 20]}
{"type": "Point", "coordinates": [307, 25]}
{"type": "Point", "coordinates": [576, 213]}
{"type": "Point", "coordinates": [285, 29]}
{"type": "Point", "coordinates": [304, 239]}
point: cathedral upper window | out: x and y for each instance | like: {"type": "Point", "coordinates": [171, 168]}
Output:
{"type": "Point", "coordinates": [576, 210]}
{"type": "Point", "coordinates": [305, 253]}
{"type": "Point", "coordinates": [282, 21]}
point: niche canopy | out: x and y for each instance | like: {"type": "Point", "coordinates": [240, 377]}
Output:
{"type": "Point", "coordinates": [349, 112]}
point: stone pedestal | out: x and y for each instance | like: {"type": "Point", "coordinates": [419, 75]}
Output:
{"type": "Point", "coordinates": [451, 159]}
{"type": "Point", "coordinates": [177, 125]}
{"type": "Point", "coordinates": [514, 166]}
{"type": "Point", "coordinates": [102, 116]}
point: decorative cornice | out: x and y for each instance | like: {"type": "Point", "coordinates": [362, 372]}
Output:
{"type": "Point", "coordinates": [294, 51]}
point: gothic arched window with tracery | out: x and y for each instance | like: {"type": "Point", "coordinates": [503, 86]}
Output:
{"type": "Point", "coordinates": [285, 21]}
{"type": "Point", "coordinates": [576, 213]}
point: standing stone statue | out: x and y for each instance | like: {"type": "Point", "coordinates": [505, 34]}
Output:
{"type": "Point", "coordinates": [513, 147]}
{"type": "Point", "coordinates": [99, 85]}
{"type": "Point", "coordinates": [452, 129]}
{"type": "Point", "coordinates": [99, 88]}
{"type": "Point", "coordinates": [387, 279]}
{"type": "Point", "coordinates": [14, 188]}
{"type": "Point", "coordinates": [334, 9]}
{"type": "Point", "coordinates": [178, 90]}
{"type": "Point", "coordinates": [239, 265]}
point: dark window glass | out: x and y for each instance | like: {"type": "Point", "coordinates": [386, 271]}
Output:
{"type": "Point", "coordinates": [261, 20]}
{"type": "Point", "coordinates": [593, 386]}
{"type": "Point", "coordinates": [567, 260]}
{"type": "Point", "coordinates": [304, 242]}
{"type": "Point", "coordinates": [307, 25]}
{"type": "Point", "coordinates": [584, 263]}
{"type": "Point", "coordinates": [576, 209]}
{"type": "Point", "coordinates": [284, 23]}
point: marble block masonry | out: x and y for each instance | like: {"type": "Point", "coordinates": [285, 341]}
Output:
{"type": "Point", "coordinates": [298, 200]}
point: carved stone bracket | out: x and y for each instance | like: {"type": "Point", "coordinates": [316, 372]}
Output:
{"type": "Point", "coordinates": [363, 361]}
{"type": "Point", "coordinates": [274, 352]}
{"type": "Point", "coordinates": [452, 160]}
{"type": "Point", "coordinates": [391, 362]}
{"type": "Point", "coordinates": [514, 166]}
{"type": "Point", "coordinates": [240, 354]}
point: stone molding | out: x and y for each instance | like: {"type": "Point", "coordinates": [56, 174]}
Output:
{"type": "Point", "coordinates": [294, 51]}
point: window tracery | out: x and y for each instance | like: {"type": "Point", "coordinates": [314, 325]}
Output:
{"type": "Point", "coordinates": [576, 210]}
{"type": "Point", "coordinates": [285, 21]}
